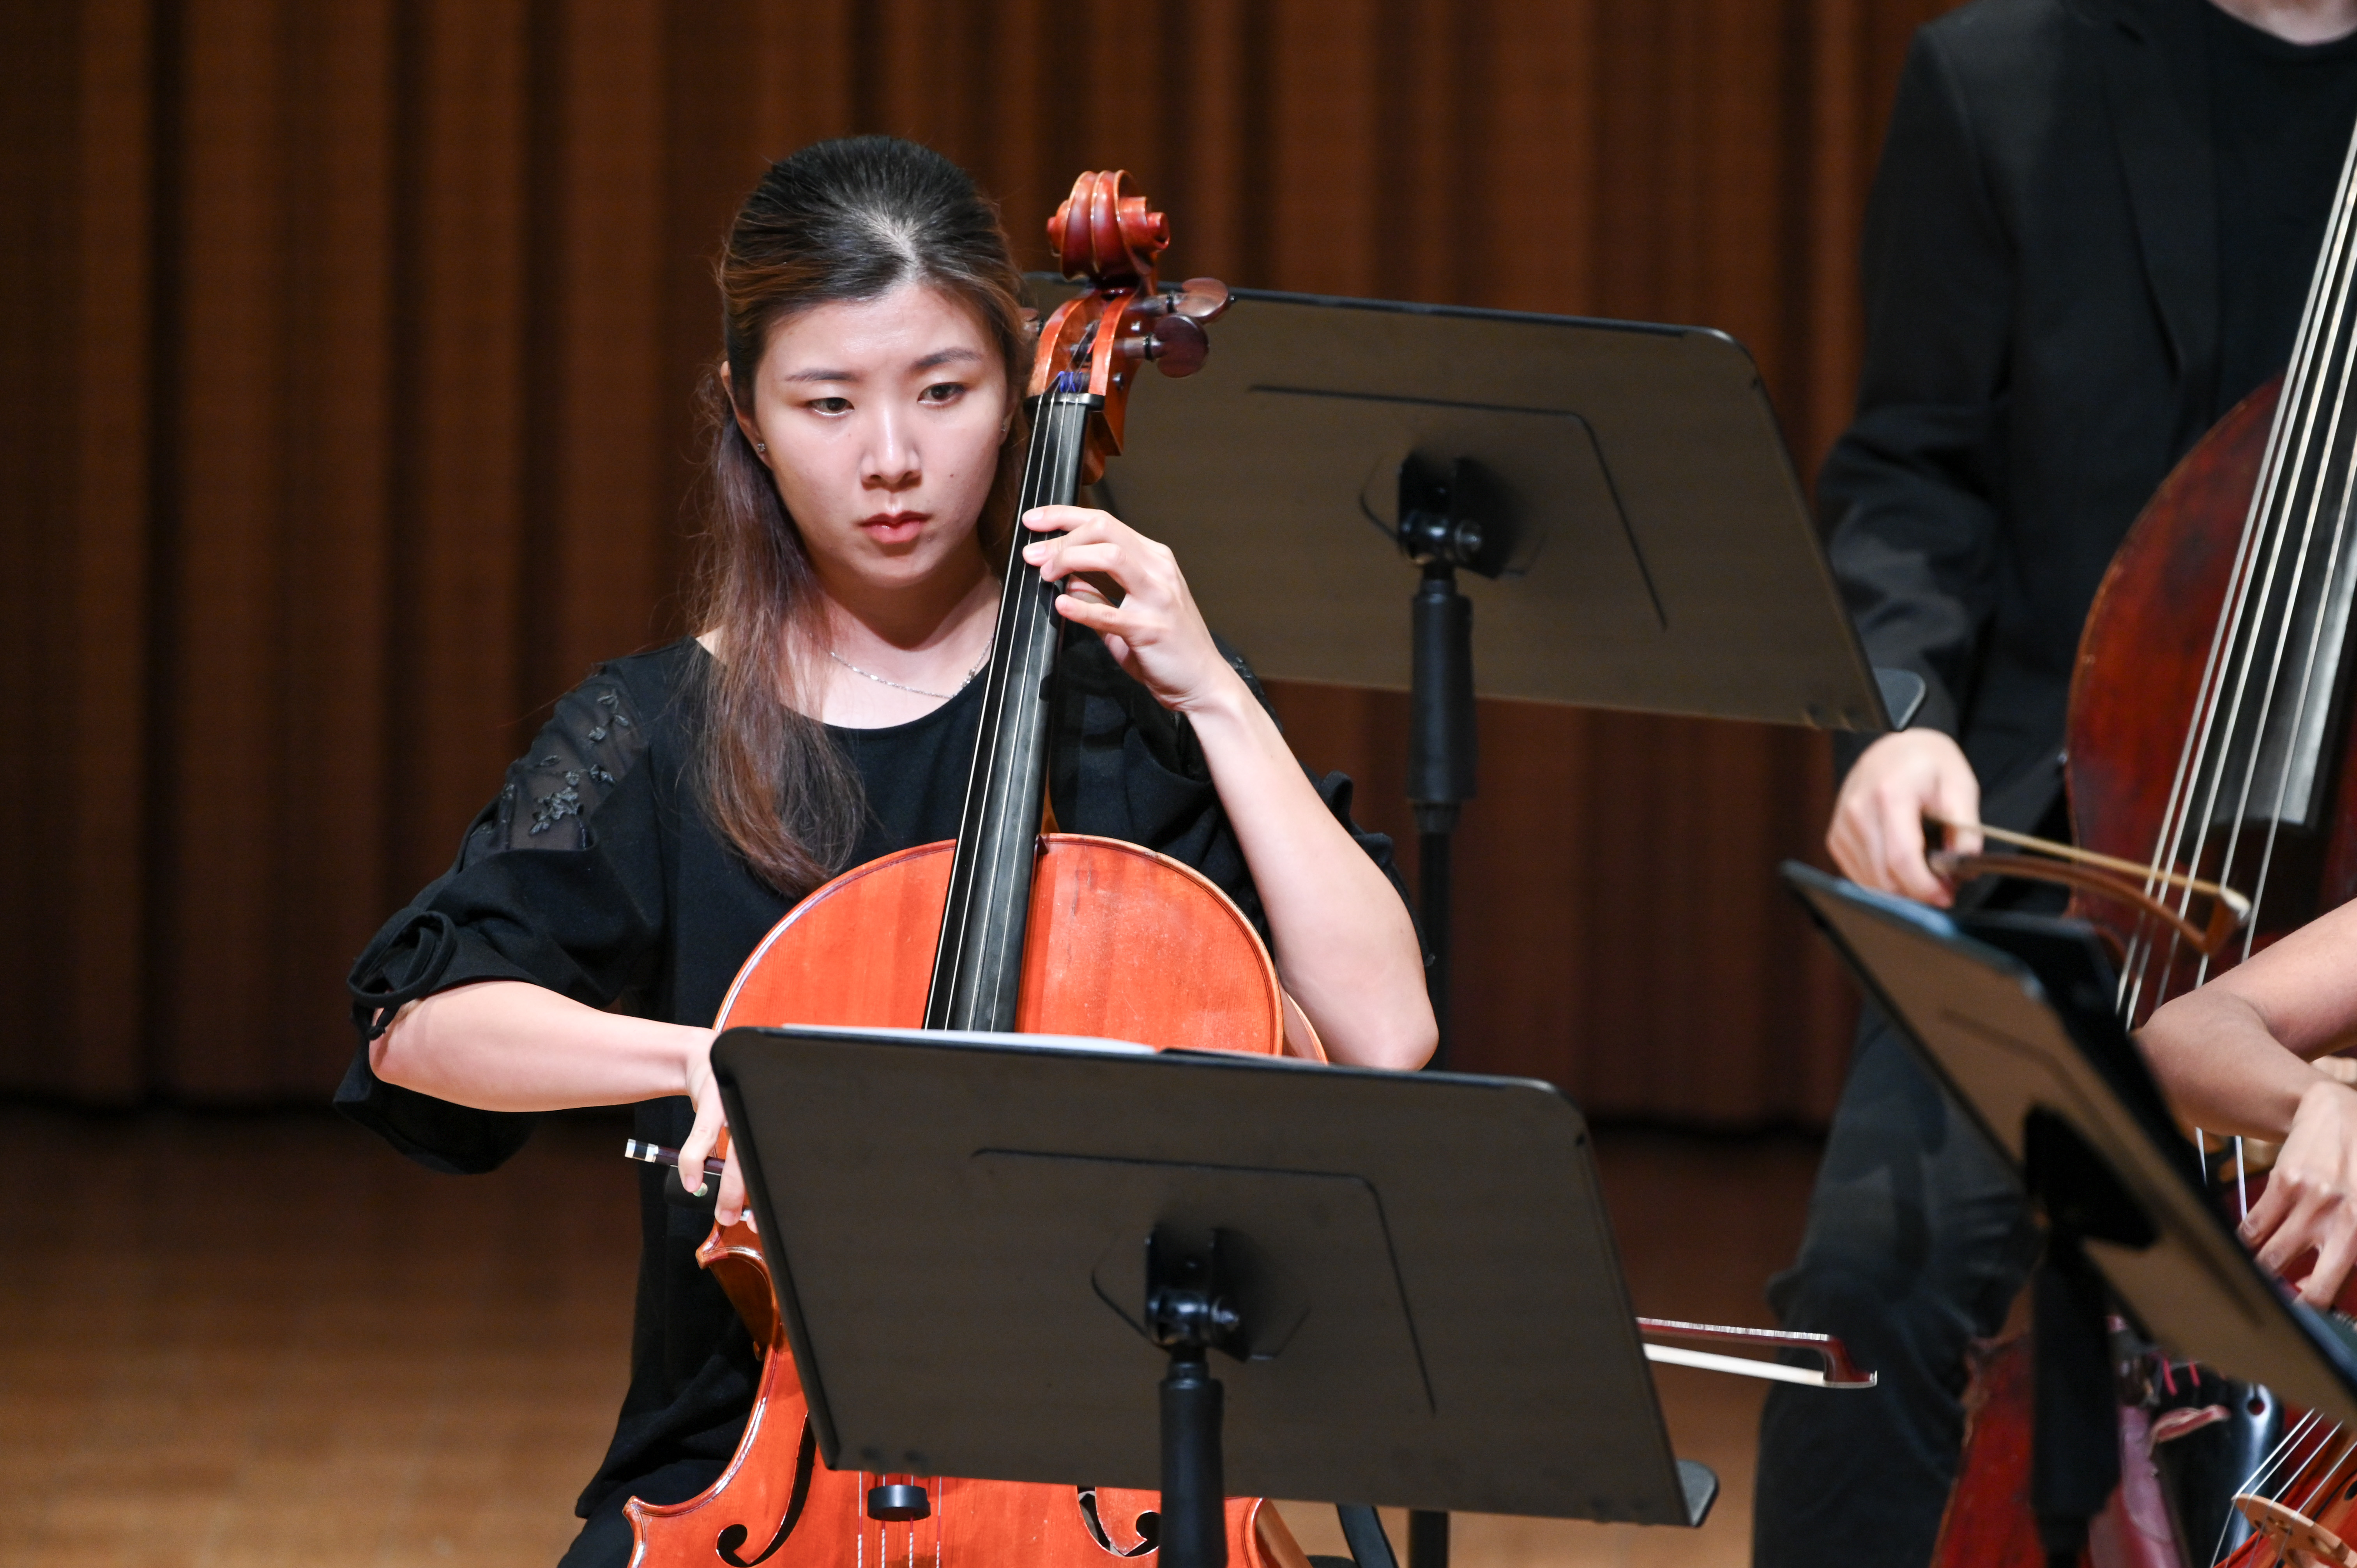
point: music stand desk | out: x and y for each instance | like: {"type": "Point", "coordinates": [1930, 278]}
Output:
{"type": "Point", "coordinates": [2008, 1041]}
{"type": "Point", "coordinates": [957, 1228]}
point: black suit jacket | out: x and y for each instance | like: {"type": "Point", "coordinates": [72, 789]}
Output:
{"type": "Point", "coordinates": [2042, 318]}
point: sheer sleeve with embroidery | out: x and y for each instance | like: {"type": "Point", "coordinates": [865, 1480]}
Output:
{"type": "Point", "coordinates": [557, 882]}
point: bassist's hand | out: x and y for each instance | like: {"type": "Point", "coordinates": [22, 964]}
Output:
{"type": "Point", "coordinates": [1877, 835]}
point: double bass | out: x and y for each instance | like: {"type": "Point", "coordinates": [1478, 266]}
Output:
{"type": "Point", "coordinates": [1008, 927]}
{"type": "Point", "coordinates": [2210, 744]}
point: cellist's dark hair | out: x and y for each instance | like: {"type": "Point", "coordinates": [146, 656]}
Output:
{"type": "Point", "coordinates": [841, 221]}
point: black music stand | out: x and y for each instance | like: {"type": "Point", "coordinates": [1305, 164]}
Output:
{"type": "Point", "coordinates": [2026, 1042]}
{"type": "Point", "coordinates": [989, 1248]}
{"type": "Point", "coordinates": [1614, 497]}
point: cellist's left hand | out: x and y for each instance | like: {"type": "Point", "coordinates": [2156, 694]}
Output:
{"type": "Point", "coordinates": [2306, 1218]}
{"type": "Point", "coordinates": [1155, 633]}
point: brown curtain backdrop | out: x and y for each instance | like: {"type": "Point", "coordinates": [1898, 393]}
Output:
{"type": "Point", "coordinates": [348, 353]}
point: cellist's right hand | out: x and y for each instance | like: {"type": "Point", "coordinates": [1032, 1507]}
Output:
{"type": "Point", "coordinates": [1877, 835]}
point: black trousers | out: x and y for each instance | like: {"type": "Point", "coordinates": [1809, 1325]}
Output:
{"type": "Point", "coordinates": [1918, 1241]}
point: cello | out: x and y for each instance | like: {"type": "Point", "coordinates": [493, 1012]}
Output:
{"type": "Point", "coordinates": [2208, 743]}
{"type": "Point", "coordinates": [1006, 927]}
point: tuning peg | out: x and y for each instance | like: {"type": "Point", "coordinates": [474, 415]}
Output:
{"type": "Point", "coordinates": [1200, 300]}
{"type": "Point", "coordinates": [1179, 346]}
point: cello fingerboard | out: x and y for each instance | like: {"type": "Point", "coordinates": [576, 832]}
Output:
{"type": "Point", "coordinates": [978, 966]}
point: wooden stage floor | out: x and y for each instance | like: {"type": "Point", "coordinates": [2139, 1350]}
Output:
{"type": "Point", "coordinates": [247, 1342]}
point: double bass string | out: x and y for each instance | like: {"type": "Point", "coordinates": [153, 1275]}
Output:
{"type": "Point", "coordinates": [2266, 529]}
{"type": "Point", "coordinates": [2327, 589]}
{"type": "Point", "coordinates": [2295, 411]}
{"type": "Point", "coordinates": [2316, 490]}
{"type": "Point", "coordinates": [2317, 366]}
{"type": "Point", "coordinates": [2264, 1475]}
{"type": "Point", "coordinates": [2296, 470]}
{"type": "Point", "coordinates": [2322, 328]}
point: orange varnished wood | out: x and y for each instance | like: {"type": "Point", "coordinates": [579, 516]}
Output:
{"type": "Point", "coordinates": [1122, 942]}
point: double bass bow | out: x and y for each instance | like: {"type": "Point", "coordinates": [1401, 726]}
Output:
{"type": "Point", "coordinates": [1008, 927]}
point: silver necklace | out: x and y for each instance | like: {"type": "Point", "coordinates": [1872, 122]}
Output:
{"type": "Point", "coordinates": [916, 691]}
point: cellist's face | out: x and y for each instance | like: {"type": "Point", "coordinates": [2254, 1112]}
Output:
{"type": "Point", "coordinates": [883, 420]}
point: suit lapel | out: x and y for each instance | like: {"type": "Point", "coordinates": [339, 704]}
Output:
{"type": "Point", "coordinates": [2157, 96]}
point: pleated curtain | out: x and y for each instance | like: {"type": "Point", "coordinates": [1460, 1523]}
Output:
{"type": "Point", "coordinates": [347, 354]}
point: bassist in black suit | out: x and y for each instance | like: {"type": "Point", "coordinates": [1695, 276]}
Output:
{"type": "Point", "coordinates": [2090, 236]}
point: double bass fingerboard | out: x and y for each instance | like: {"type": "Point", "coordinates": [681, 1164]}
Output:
{"type": "Point", "coordinates": [978, 967]}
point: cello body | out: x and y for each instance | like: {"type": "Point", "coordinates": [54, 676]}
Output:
{"type": "Point", "coordinates": [1123, 943]}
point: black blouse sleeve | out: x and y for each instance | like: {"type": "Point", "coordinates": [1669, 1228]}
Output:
{"type": "Point", "coordinates": [1125, 767]}
{"type": "Point", "coordinates": [559, 881]}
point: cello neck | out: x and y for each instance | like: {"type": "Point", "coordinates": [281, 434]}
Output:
{"type": "Point", "coordinates": [978, 966]}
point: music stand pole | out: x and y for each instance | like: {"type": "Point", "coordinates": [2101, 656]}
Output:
{"type": "Point", "coordinates": [1438, 530]}
{"type": "Point", "coordinates": [1442, 753]}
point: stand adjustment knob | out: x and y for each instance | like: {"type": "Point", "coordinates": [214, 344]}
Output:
{"type": "Point", "coordinates": [897, 1504]}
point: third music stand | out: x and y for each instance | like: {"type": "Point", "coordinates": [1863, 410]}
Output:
{"type": "Point", "coordinates": [1612, 497]}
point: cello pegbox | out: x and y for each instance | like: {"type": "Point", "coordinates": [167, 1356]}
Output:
{"type": "Point", "coordinates": [1104, 233]}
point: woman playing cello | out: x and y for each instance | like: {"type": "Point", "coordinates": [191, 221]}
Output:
{"type": "Point", "coordinates": [867, 441]}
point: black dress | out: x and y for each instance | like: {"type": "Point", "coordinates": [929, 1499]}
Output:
{"type": "Point", "coordinates": [596, 874]}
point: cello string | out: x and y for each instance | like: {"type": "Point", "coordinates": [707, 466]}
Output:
{"type": "Point", "coordinates": [1037, 645]}
{"type": "Point", "coordinates": [2321, 1474]}
{"type": "Point", "coordinates": [957, 910]}
{"type": "Point", "coordinates": [1023, 598]}
{"type": "Point", "coordinates": [2210, 689]}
